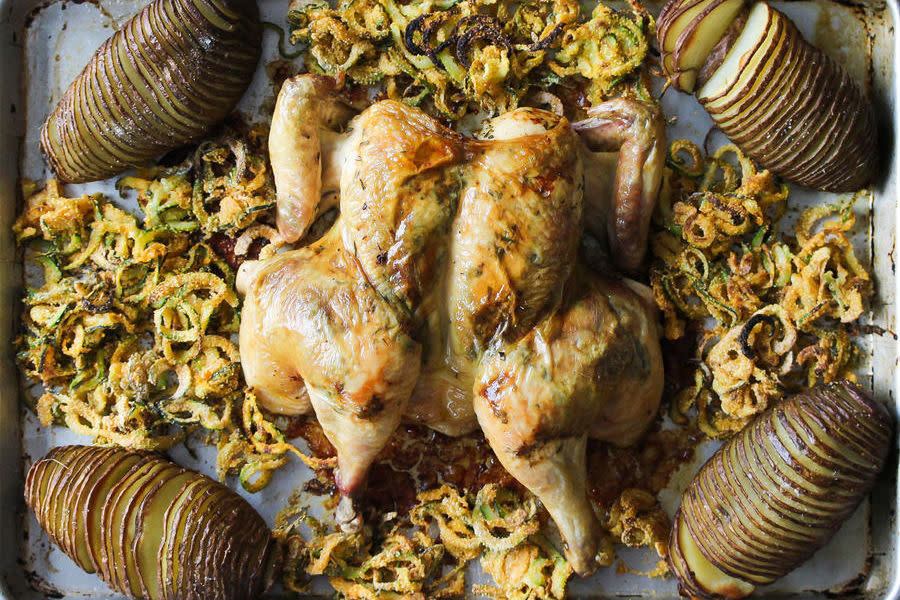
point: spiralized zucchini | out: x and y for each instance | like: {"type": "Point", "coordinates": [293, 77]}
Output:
{"type": "Point", "coordinates": [637, 519]}
{"type": "Point", "coordinates": [425, 555]}
{"type": "Point", "coordinates": [455, 56]}
{"type": "Point", "coordinates": [782, 305]}
{"type": "Point", "coordinates": [412, 559]}
{"type": "Point", "coordinates": [130, 334]}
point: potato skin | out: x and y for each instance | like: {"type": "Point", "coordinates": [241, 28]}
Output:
{"type": "Point", "coordinates": [720, 50]}
{"type": "Point", "coordinates": [171, 72]}
{"type": "Point", "coordinates": [692, 25]}
{"type": "Point", "coordinates": [775, 493]}
{"type": "Point", "coordinates": [213, 539]}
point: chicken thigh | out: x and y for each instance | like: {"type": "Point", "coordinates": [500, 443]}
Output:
{"type": "Point", "coordinates": [341, 350]}
{"type": "Point", "coordinates": [450, 291]}
{"type": "Point", "coordinates": [590, 369]}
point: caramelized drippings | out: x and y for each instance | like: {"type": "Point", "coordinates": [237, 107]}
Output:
{"type": "Point", "coordinates": [417, 459]}
{"type": "Point", "coordinates": [223, 245]}
{"type": "Point", "coordinates": [647, 465]}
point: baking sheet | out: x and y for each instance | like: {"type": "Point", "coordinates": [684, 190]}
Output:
{"type": "Point", "coordinates": [58, 41]}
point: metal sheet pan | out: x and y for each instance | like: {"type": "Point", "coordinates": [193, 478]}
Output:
{"type": "Point", "coordinates": [44, 44]}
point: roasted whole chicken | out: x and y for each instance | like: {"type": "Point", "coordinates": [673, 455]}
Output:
{"type": "Point", "coordinates": [450, 291]}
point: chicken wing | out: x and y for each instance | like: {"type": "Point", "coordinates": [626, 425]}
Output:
{"type": "Point", "coordinates": [621, 213]}
{"type": "Point", "coordinates": [305, 151]}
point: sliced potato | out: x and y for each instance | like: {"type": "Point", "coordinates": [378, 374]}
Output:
{"type": "Point", "coordinates": [169, 569]}
{"type": "Point", "coordinates": [786, 104]}
{"type": "Point", "coordinates": [722, 47]}
{"type": "Point", "coordinates": [170, 73]}
{"type": "Point", "coordinates": [75, 525]}
{"type": "Point", "coordinates": [758, 107]}
{"type": "Point", "coordinates": [697, 577]}
{"type": "Point", "coordinates": [687, 32]}
{"type": "Point", "coordinates": [132, 530]}
{"type": "Point", "coordinates": [757, 33]}
{"type": "Point", "coordinates": [767, 68]}
{"type": "Point", "coordinates": [115, 525]}
{"type": "Point", "coordinates": [148, 539]}
{"type": "Point", "coordinates": [808, 135]}
{"type": "Point", "coordinates": [184, 523]}
{"type": "Point", "coordinates": [199, 523]}
{"type": "Point", "coordinates": [98, 493]}
{"type": "Point", "coordinates": [57, 488]}
{"type": "Point", "coordinates": [150, 528]}
{"type": "Point", "coordinates": [777, 491]}
{"type": "Point", "coordinates": [700, 36]}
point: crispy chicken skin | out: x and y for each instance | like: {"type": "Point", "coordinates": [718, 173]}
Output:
{"type": "Point", "coordinates": [340, 340]}
{"type": "Point", "coordinates": [591, 368]}
{"type": "Point", "coordinates": [449, 292]}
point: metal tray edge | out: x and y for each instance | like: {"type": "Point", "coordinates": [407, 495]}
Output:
{"type": "Point", "coordinates": [12, 578]}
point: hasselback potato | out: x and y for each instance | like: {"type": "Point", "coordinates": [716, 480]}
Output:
{"type": "Point", "coordinates": [149, 528]}
{"type": "Point", "coordinates": [172, 71]}
{"type": "Point", "coordinates": [776, 492]}
{"type": "Point", "coordinates": [783, 101]}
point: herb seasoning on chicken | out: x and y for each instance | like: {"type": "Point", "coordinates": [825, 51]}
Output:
{"type": "Point", "coordinates": [449, 291]}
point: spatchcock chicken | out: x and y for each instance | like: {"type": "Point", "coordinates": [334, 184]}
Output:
{"type": "Point", "coordinates": [450, 292]}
